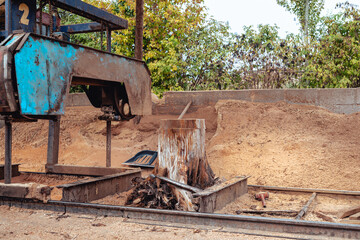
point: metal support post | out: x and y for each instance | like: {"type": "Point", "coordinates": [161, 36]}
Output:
{"type": "Point", "coordinates": [139, 32]}
{"type": "Point", "coordinates": [108, 38]}
{"type": "Point", "coordinates": [53, 144]}
{"type": "Point", "coordinates": [108, 143]}
{"type": "Point", "coordinates": [8, 142]}
{"type": "Point", "coordinates": [108, 123]}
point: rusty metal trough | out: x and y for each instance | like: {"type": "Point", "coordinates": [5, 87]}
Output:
{"type": "Point", "coordinates": [93, 189]}
{"type": "Point", "coordinates": [218, 196]}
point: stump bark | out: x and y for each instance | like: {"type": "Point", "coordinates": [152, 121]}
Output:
{"type": "Point", "coordinates": [182, 157]}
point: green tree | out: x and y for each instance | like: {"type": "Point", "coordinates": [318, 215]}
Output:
{"type": "Point", "coordinates": [166, 24]}
{"type": "Point", "coordinates": [334, 60]}
{"type": "Point", "coordinates": [204, 59]}
{"type": "Point", "coordinates": [307, 12]}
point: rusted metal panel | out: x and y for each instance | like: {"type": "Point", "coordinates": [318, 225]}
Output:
{"type": "Point", "coordinates": [14, 170]}
{"type": "Point", "coordinates": [7, 95]}
{"type": "Point", "coordinates": [94, 189]}
{"type": "Point", "coordinates": [218, 196]}
{"type": "Point", "coordinates": [87, 171]}
{"type": "Point", "coordinates": [45, 69]}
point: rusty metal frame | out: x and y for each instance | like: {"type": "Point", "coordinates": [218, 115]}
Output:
{"type": "Point", "coordinates": [216, 197]}
{"type": "Point", "coordinates": [86, 171]}
{"type": "Point", "coordinates": [14, 170]}
{"type": "Point", "coordinates": [96, 188]}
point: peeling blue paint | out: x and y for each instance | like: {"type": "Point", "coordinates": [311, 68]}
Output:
{"type": "Point", "coordinates": [13, 39]}
{"type": "Point", "coordinates": [43, 71]}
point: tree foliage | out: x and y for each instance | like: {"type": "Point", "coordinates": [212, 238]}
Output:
{"type": "Point", "coordinates": [185, 50]}
{"type": "Point", "coordinates": [335, 58]}
{"type": "Point", "coordinates": [298, 7]}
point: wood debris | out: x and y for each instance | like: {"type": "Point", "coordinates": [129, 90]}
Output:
{"type": "Point", "coordinates": [148, 194]}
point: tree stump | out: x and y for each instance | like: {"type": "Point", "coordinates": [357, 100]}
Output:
{"type": "Point", "coordinates": [182, 157]}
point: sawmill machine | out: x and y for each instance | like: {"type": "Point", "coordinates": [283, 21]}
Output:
{"type": "Point", "coordinates": [39, 64]}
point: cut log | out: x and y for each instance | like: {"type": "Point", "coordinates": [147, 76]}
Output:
{"type": "Point", "coordinates": [349, 212]}
{"type": "Point", "coordinates": [182, 157]}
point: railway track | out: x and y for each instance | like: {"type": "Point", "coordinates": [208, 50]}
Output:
{"type": "Point", "coordinates": [262, 226]}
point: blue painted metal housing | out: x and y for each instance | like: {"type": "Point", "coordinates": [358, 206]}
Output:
{"type": "Point", "coordinates": [45, 68]}
{"type": "Point", "coordinates": [43, 71]}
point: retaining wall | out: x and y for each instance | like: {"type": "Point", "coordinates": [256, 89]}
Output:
{"type": "Point", "coordinates": [342, 100]}
{"type": "Point", "coordinates": [345, 101]}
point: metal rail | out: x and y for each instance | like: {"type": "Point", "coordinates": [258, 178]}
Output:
{"type": "Point", "coordinates": [267, 226]}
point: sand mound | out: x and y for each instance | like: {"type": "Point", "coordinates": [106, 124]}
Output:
{"type": "Point", "coordinates": [286, 145]}
{"type": "Point", "coordinates": [83, 138]}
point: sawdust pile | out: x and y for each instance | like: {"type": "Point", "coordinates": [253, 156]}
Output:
{"type": "Point", "coordinates": [83, 138]}
{"type": "Point", "coordinates": [275, 143]}
{"type": "Point", "coordinates": [286, 145]}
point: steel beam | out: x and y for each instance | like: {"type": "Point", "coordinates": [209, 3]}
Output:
{"type": "Point", "coordinates": [108, 143]}
{"type": "Point", "coordinates": [53, 144]}
{"type": "Point", "coordinates": [88, 11]}
{"type": "Point", "coordinates": [139, 31]}
{"type": "Point", "coordinates": [84, 28]}
{"type": "Point", "coordinates": [263, 226]}
{"type": "Point", "coordinates": [8, 143]}
{"type": "Point", "coordinates": [14, 170]}
{"type": "Point", "coordinates": [87, 171]}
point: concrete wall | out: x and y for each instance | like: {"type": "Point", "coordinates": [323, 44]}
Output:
{"type": "Point", "coordinates": [77, 99]}
{"type": "Point", "coordinates": [336, 100]}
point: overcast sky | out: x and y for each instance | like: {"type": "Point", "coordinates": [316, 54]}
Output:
{"type": "Point", "coordinates": [241, 13]}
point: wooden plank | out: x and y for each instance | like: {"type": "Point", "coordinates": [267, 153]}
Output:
{"type": "Point", "coordinates": [324, 217]}
{"type": "Point", "coordinates": [355, 216]}
{"type": "Point", "coordinates": [26, 190]}
{"type": "Point", "coordinates": [184, 111]}
{"type": "Point", "coordinates": [88, 171]}
{"type": "Point", "coordinates": [306, 207]}
{"type": "Point", "coordinates": [348, 212]}
{"type": "Point", "coordinates": [309, 190]}
{"type": "Point", "coordinates": [346, 221]}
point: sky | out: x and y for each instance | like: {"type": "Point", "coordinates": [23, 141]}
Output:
{"type": "Point", "coordinates": [239, 13]}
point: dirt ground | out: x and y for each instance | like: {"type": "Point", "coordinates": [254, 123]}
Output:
{"type": "Point", "coordinates": [29, 224]}
{"type": "Point", "coordinates": [323, 208]}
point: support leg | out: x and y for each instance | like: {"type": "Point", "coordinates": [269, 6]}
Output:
{"type": "Point", "coordinates": [53, 144]}
{"type": "Point", "coordinates": [108, 143]}
{"type": "Point", "coordinates": [8, 142]}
